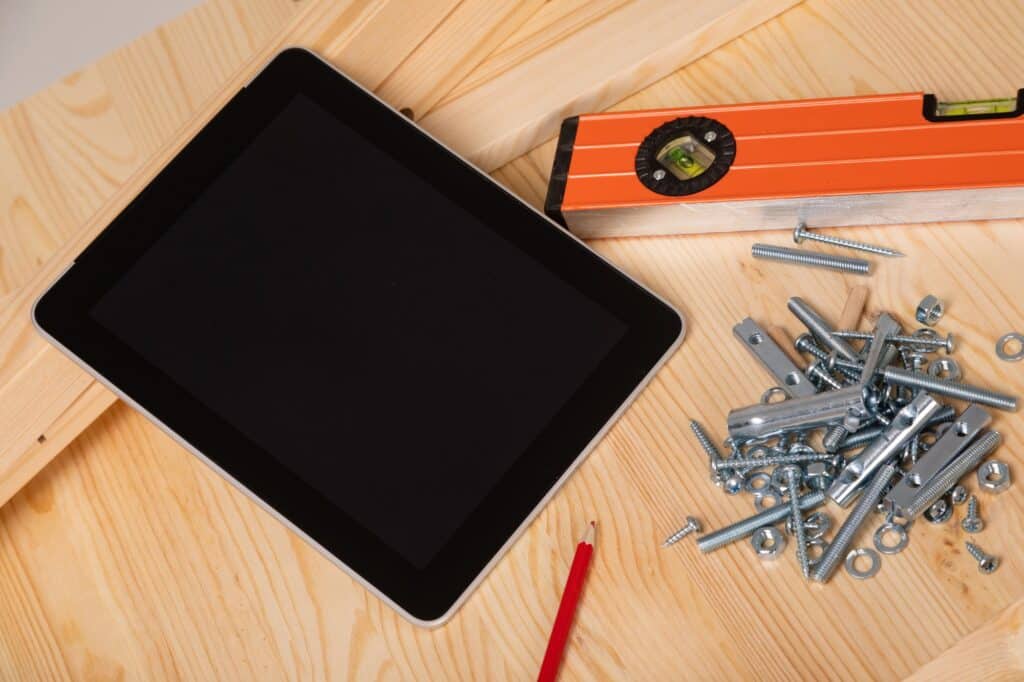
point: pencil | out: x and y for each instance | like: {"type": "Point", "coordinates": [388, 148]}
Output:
{"type": "Point", "coordinates": [567, 607]}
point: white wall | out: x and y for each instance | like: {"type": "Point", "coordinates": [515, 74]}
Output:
{"type": "Point", "coordinates": [44, 40]}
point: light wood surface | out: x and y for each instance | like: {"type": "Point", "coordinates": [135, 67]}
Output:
{"type": "Point", "coordinates": [127, 558]}
{"type": "Point", "coordinates": [413, 53]}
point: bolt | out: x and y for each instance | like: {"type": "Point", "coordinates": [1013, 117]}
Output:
{"type": "Point", "coordinates": [947, 344]}
{"type": "Point", "coordinates": [773, 460]}
{"type": "Point", "coordinates": [950, 389]}
{"type": "Point", "coordinates": [972, 523]}
{"type": "Point", "coordinates": [836, 552]}
{"type": "Point", "coordinates": [782, 254]}
{"type": "Point", "coordinates": [802, 232]}
{"type": "Point", "coordinates": [692, 525]}
{"type": "Point", "coordinates": [792, 475]}
{"type": "Point", "coordinates": [953, 472]}
{"type": "Point", "coordinates": [745, 527]}
{"type": "Point", "coordinates": [821, 329]}
{"type": "Point", "coordinates": [834, 437]}
{"type": "Point", "coordinates": [986, 562]}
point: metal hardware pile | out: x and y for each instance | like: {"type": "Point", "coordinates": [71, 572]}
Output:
{"type": "Point", "coordinates": [861, 427]}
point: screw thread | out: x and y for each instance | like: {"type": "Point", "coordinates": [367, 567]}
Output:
{"type": "Point", "coordinates": [953, 472]}
{"type": "Point", "coordinates": [771, 460]}
{"type": "Point", "coordinates": [704, 440]}
{"type": "Point", "coordinates": [976, 552]}
{"type": "Point", "coordinates": [816, 370]}
{"type": "Point", "coordinates": [972, 507]}
{"type": "Point", "coordinates": [784, 254]}
{"type": "Point", "coordinates": [834, 437]}
{"type": "Point", "coordinates": [946, 343]}
{"type": "Point", "coordinates": [793, 480]}
{"type": "Point", "coordinates": [951, 389]}
{"type": "Point", "coordinates": [802, 233]}
{"type": "Point", "coordinates": [691, 525]}
{"type": "Point", "coordinates": [836, 551]}
{"type": "Point", "coordinates": [745, 527]}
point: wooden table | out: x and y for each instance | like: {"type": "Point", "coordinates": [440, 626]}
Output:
{"type": "Point", "coordinates": [127, 558]}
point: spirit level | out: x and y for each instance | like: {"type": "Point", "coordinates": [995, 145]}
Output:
{"type": "Point", "coordinates": [874, 159]}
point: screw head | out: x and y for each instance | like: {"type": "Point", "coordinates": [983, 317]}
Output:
{"type": "Point", "coordinates": [693, 524]}
{"type": "Point", "coordinates": [733, 484]}
{"type": "Point", "coordinates": [710, 136]}
{"type": "Point", "coordinates": [798, 233]}
{"type": "Point", "coordinates": [972, 524]}
{"type": "Point", "coordinates": [988, 565]}
{"type": "Point", "coordinates": [659, 174]}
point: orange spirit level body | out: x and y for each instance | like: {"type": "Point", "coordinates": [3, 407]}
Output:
{"type": "Point", "coordinates": [873, 159]}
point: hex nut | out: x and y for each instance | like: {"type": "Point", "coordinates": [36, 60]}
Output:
{"type": "Point", "coordinates": [819, 475]}
{"type": "Point", "coordinates": [929, 310]}
{"type": "Point", "coordinates": [994, 476]}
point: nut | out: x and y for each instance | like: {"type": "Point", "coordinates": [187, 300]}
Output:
{"type": "Point", "coordinates": [929, 310]}
{"type": "Point", "coordinates": [819, 475]}
{"type": "Point", "coordinates": [994, 476]}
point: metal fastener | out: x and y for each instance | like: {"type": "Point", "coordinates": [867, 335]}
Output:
{"type": "Point", "coordinates": [772, 460]}
{"type": "Point", "coordinates": [692, 526]}
{"type": "Point", "coordinates": [709, 448]}
{"type": "Point", "coordinates": [822, 331]}
{"type": "Point", "coordinates": [940, 511]}
{"type": "Point", "coordinates": [744, 527]}
{"type": "Point", "coordinates": [793, 474]}
{"type": "Point", "coordinates": [986, 562]}
{"type": "Point", "coordinates": [972, 523]}
{"type": "Point", "coordinates": [965, 461]}
{"type": "Point", "coordinates": [802, 232]}
{"type": "Point", "coordinates": [1003, 347]}
{"type": "Point", "coordinates": [994, 476]}
{"type": "Point", "coordinates": [929, 310]}
{"type": "Point", "coordinates": [947, 344]}
{"type": "Point", "coordinates": [783, 254]}
{"type": "Point", "coordinates": [958, 495]}
{"type": "Point", "coordinates": [951, 389]}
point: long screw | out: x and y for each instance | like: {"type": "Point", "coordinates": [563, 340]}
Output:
{"type": "Point", "coordinates": [692, 526]}
{"type": "Point", "coordinates": [805, 344]}
{"type": "Point", "coordinates": [705, 442]}
{"type": "Point", "coordinates": [793, 475]}
{"type": "Point", "coordinates": [950, 389]}
{"type": "Point", "coordinates": [947, 344]}
{"type": "Point", "coordinates": [986, 562]}
{"type": "Point", "coordinates": [783, 254]}
{"type": "Point", "coordinates": [819, 372]}
{"type": "Point", "coordinates": [821, 329]}
{"type": "Point", "coordinates": [771, 460]}
{"type": "Point", "coordinates": [801, 233]}
{"type": "Point", "coordinates": [953, 472]}
{"type": "Point", "coordinates": [745, 527]}
{"type": "Point", "coordinates": [836, 552]}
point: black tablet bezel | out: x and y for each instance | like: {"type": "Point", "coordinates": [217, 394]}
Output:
{"type": "Point", "coordinates": [428, 596]}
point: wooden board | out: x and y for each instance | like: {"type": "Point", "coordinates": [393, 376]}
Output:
{"type": "Point", "coordinates": [413, 59]}
{"type": "Point", "coordinates": [126, 557]}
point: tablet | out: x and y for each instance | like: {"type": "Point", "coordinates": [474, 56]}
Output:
{"type": "Point", "coordinates": [362, 331]}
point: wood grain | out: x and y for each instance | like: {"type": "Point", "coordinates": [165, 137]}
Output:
{"type": "Point", "coordinates": [353, 35]}
{"type": "Point", "coordinates": [128, 558]}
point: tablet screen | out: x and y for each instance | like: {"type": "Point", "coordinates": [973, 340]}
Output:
{"type": "Point", "coordinates": [367, 332]}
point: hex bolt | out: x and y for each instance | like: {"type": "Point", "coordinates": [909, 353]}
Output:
{"type": "Point", "coordinates": [692, 526]}
{"type": "Point", "coordinates": [772, 460]}
{"type": "Point", "coordinates": [821, 329]}
{"type": "Point", "coordinates": [792, 475]}
{"type": "Point", "coordinates": [802, 232]}
{"type": "Point", "coordinates": [954, 471]}
{"type": "Point", "coordinates": [947, 344]}
{"type": "Point", "coordinates": [836, 552]}
{"type": "Point", "coordinates": [972, 523]}
{"type": "Point", "coordinates": [950, 389]}
{"type": "Point", "coordinates": [783, 254]}
{"type": "Point", "coordinates": [986, 562]}
{"type": "Point", "coordinates": [745, 527]}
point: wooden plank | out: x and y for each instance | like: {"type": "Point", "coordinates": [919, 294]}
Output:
{"type": "Point", "coordinates": [127, 556]}
{"type": "Point", "coordinates": [351, 35]}
{"type": "Point", "coordinates": [587, 70]}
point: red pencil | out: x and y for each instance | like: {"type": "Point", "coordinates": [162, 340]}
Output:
{"type": "Point", "coordinates": [567, 608]}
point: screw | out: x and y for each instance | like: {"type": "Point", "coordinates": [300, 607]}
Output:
{"type": "Point", "coordinates": [659, 174]}
{"type": "Point", "coordinates": [782, 254]}
{"type": "Point", "coordinates": [834, 437]}
{"type": "Point", "coordinates": [773, 460]}
{"type": "Point", "coordinates": [958, 495]}
{"type": "Point", "coordinates": [805, 344]}
{"type": "Point", "coordinates": [953, 472]}
{"type": "Point", "coordinates": [745, 527]}
{"type": "Point", "coordinates": [710, 136]}
{"type": "Point", "coordinates": [972, 523]}
{"type": "Point", "coordinates": [947, 344]}
{"type": "Point", "coordinates": [951, 389]}
{"type": "Point", "coordinates": [836, 552]}
{"type": "Point", "coordinates": [986, 562]}
{"type": "Point", "coordinates": [705, 443]}
{"type": "Point", "coordinates": [817, 371]}
{"type": "Point", "coordinates": [792, 475]}
{"type": "Point", "coordinates": [821, 329]}
{"type": "Point", "coordinates": [692, 525]}
{"type": "Point", "coordinates": [802, 232]}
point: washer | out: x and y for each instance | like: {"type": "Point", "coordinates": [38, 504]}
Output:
{"type": "Point", "coordinates": [762, 493]}
{"type": "Point", "coordinates": [764, 478]}
{"type": "Point", "coordinates": [890, 527]}
{"type": "Point", "coordinates": [851, 563]}
{"type": "Point", "coordinates": [816, 542]}
{"type": "Point", "coordinates": [1001, 347]}
{"type": "Point", "coordinates": [768, 542]}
